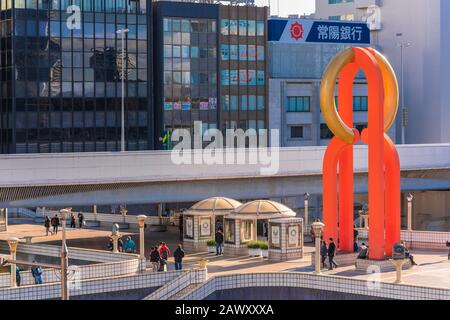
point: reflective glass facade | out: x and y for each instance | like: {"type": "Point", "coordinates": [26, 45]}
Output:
{"type": "Point", "coordinates": [190, 73]}
{"type": "Point", "coordinates": [61, 72]}
{"type": "Point", "coordinates": [243, 65]}
{"type": "Point", "coordinates": [61, 89]}
{"type": "Point", "coordinates": [210, 66]}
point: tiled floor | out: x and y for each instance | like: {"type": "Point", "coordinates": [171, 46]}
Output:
{"type": "Point", "coordinates": [433, 269]}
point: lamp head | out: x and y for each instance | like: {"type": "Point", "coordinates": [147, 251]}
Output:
{"type": "Point", "coordinates": [410, 197]}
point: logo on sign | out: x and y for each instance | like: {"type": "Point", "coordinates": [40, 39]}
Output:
{"type": "Point", "coordinates": [297, 30]}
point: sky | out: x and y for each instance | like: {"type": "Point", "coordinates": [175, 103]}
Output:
{"type": "Point", "coordinates": [289, 6]}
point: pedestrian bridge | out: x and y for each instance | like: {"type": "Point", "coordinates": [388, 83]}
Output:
{"type": "Point", "coordinates": [33, 180]}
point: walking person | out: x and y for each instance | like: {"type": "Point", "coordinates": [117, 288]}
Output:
{"type": "Point", "coordinates": [55, 224]}
{"type": "Point", "coordinates": [80, 219]}
{"type": "Point", "coordinates": [164, 253]}
{"type": "Point", "coordinates": [47, 225]}
{"type": "Point", "coordinates": [36, 271]}
{"type": "Point", "coordinates": [331, 254]}
{"type": "Point", "coordinates": [219, 242]}
{"type": "Point", "coordinates": [18, 277]}
{"type": "Point", "coordinates": [111, 245]}
{"type": "Point", "coordinates": [219, 225]}
{"type": "Point", "coordinates": [323, 253]}
{"type": "Point", "coordinates": [130, 245]}
{"type": "Point", "coordinates": [73, 224]}
{"type": "Point", "coordinates": [120, 244]}
{"type": "Point", "coordinates": [178, 256]}
{"type": "Point", "coordinates": [155, 259]}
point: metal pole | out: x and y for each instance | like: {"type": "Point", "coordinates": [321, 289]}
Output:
{"type": "Point", "coordinates": [318, 228]}
{"type": "Point", "coordinates": [12, 243]}
{"type": "Point", "coordinates": [317, 256]}
{"type": "Point", "coordinates": [403, 95]}
{"type": "Point", "coordinates": [409, 215]}
{"type": "Point", "coordinates": [64, 258]}
{"type": "Point", "coordinates": [122, 133]}
{"type": "Point", "coordinates": [306, 214]}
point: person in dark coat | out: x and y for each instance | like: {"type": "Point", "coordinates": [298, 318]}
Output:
{"type": "Point", "coordinates": [219, 242]}
{"type": "Point", "coordinates": [55, 224]}
{"type": "Point", "coordinates": [73, 224]}
{"type": "Point", "coordinates": [323, 253]}
{"type": "Point", "coordinates": [47, 224]}
{"type": "Point", "coordinates": [154, 259]}
{"type": "Point", "coordinates": [178, 257]}
{"type": "Point", "coordinates": [80, 219]}
{"type": "Point", "coordinates": [331, 254]}
{"type": "Point", "coordinates": [18, 278]}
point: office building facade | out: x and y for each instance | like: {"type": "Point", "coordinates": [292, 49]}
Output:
{"type": "Point", "coordinates": [61, 72]}
{"type": "Point", "coordinates": [300, 51]}
{"type": "Point", "coordinates": [413, 35]}
{"type": "Point", "coordinates": [61, 75]}
{"type": "Point", "coordinates": [210, 66]}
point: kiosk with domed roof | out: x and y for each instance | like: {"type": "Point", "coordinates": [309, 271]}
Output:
{"type": "Point", "coordinates": [281, 228]}
{"type": "Point", "coordinates": [202, 219]}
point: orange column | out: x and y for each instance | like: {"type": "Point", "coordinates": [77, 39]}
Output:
{"type": "Point", "coordinates": [329, 188]}
{"type": "Point", "coordinates": [376, 152]}
{"type": "Point", "coordinates": [346, 188]}
{"type": "Point", "coordinates": [393, 223]}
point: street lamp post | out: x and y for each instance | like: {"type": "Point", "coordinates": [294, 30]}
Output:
{"type": "Point", "coordinates": [122, 132]}
{"type": "Point", "coordinates": [141, 220]}
{"type": "Point", "coordinates": [403, 46]}
{"type": "Point", "coordinates": [12, 243]}
{"type": "Point", "coordinates": [317, 228]}
{"type": "Point", "coordinates": [306, 198]}
{"type": "Point", "coordinates": [64, 256]}
{"type": "Point", "coordinates": [410, 198]}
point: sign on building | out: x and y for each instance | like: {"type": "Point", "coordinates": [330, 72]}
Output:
{"type": "Point", "coordinates": [318, 31]}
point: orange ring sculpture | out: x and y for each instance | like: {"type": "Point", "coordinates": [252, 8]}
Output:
{"type": "Point", "coordinates": [384, 163]}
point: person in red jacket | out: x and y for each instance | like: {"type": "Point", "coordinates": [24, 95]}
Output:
{"type": "Point", "coordinates": [164, 252]}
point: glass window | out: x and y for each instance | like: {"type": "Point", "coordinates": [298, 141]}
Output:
{"type": "Point", "coordinates": [243, 52]}
{"type": "Point", "coordinates": [185, 26]}
{"type": "Point", "coordinates": [233, 27]}
{"type": "Point", "coordinates": [224, 26]}
{"type": "Point", "coordinates": [260, 28]}
{"type": "Point", "coordinates": [225, 102]}
{"type": "Point", "coordinates": [251, 27]}
{"type": "Point", "coordinates": [225, 52]}
{"type": "Point", "coordinates": [185, 51]}
{"type": "Point", "coordinates": [229, 231]}
{"type": "Point", "coordinates": [176, 51]}
{"type": "Point", "coordinates": [242, 27]}
{"type": "Point", "coordinates": [296, 132]}
{"type": "Point", "coordinates": [252, 102]}
{"type": "Point", "coordinates": [260, 53]}
{"type": "Point", "coordinates": [244, 103]}
{"type": "Point", "coordinates": [167, 25]}
{"type": "Point", "coordinates": [194, 52]}
{"type": "Point", "coordinates": [233, 103]}
{"type": "Point", "coordinates": [167, 51]}
{"type": "Point", "coordinates": [234, 52]}
{"type": "Point", "coordinates": [261, 104]}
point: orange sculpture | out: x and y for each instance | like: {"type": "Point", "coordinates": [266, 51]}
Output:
{"type": "Point", "coordinates": [384, 164]}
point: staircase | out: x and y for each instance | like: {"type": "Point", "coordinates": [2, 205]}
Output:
{"type": "Point", "coordinates": [22, 212]}
{"type": "Point", "coordinates": [180, 287]}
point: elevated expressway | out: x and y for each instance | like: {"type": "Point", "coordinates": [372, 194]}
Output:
{"type": "Point", "coordinates": [73, 179]}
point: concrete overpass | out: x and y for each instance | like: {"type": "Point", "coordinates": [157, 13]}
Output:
{"type": "Point", "coordinates": [33, 180]}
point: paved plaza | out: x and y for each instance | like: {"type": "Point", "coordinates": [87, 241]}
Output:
{"type": "Point", "coordinates": [433, 269]}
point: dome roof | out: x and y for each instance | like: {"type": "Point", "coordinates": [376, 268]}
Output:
{"type": "Point", "coordinates": [218, 205]}
{"type": "Point", "coordinates": [262, 209]}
